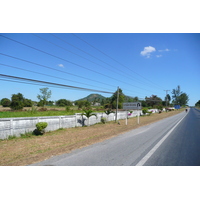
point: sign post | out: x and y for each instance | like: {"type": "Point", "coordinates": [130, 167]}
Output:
{"type": "Point", "coordinates": [126, 117]}
{"type": "Point", "coordinates": [133, 106]}
{"type": "Point", "coordinates": [138, 121]}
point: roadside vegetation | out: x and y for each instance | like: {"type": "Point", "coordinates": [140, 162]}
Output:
{"type": "Point", "coordinates": [31, 148]}
{"type": "Point", "coordinates": [19, 106]}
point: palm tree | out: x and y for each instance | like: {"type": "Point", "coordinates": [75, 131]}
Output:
{"type": "Point", "coordinates": [108, 112]}
{"type": "Point", "coordinates": [88, 114]}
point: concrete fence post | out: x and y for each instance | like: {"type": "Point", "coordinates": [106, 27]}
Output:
{"type": "Point", "coordinates": [11, 127]}
{"type": "Point", "coordinates": [75, 120]}
{"type": "Point", "coordinates": [59, 122]}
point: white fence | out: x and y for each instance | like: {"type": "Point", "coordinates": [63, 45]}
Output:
{"type": "Point", "coordinates": [21, 125]}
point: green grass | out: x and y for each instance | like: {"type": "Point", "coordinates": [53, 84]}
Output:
{"type": "Point", "coordinates": [8, 114]}
{"type": "Point", "coordinates": [34, 112]}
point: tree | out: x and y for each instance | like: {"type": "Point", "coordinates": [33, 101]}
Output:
{"type": "Point", "coordinates": [131, 99]}
{"type": "Point", "coordinates": [50, 103]}
{"type": "Point", "coordinates": [167, 99]}
{"type": "Point", "coordinates": [184, 98]}
{"type": "Point", "coordinates": [88, 114]}
{"type": "Point", "coordinates": [17, 101]}
{"type": "Point", "coordinates": [82, 103]}
{"type": "Point", "coordinates": [114, 99]}
{"type": "Point", "coordinates": [153, 100]}
{"type": "Point", "coordinates": [27, 102]}
{"type": "Point", "coordinates": [44, 96]}
{"type": "Point", "coordinates": [179, 98]}
{"type": "Point", "coordinates": [108, 112]}
{"type": "Point", "coordinates": [63, 102]}
{"type": "Point", "coordinates": [5, 102]}
{"type": "Point", "coordinates": [176, 95]}
{"type": "Point", "coordinates": [197, 104]}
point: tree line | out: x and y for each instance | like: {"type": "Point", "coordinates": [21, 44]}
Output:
{"type": "Point", "coordinates": [18, 101]}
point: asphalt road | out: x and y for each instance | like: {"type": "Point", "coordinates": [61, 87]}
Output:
{"type": "Point", "coordinates": [182, 147]}
{"type": "Point", "coordinates": [169, 142]}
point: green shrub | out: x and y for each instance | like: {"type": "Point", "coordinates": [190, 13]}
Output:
{"type": "Point", "coordinates": [17, 105]}
{"type": "Point", "coordinates": [17, 102]}
{"type": "Point", "coordinates": [33, 110]}
{"type": "Point", "coordinates": [144, 111]}
{"type": "Point", "coordinates": [10, 137]}
{"type": "Point", "coordinates": [149, 113]}
{"type": "Point", "coordinates": [67, 108]}
{"type": "Point", "coordinates": [103, 120]}
{"type": "Point", "coordinates": [40, 128]}
{"type": "Point", "coordinates": [5, 102]}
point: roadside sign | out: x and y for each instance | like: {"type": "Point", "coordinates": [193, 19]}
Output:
{"type": "Point", "coordinates": [132, 106]}
{"type": "Point", "coordinates": [177, 106]}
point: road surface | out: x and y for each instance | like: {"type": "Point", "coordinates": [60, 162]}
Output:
{"type": "Point", "coordinates": [174, 141]}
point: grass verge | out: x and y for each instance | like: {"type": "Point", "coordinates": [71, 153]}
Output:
{"type": "Point", "coordinates": [30, 149]}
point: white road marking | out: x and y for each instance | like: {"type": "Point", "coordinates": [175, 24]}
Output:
{"type": "Point", "coordinates": [150, 153]}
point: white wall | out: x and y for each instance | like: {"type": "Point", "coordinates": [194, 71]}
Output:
{"type": "Point", "coordinates": [21, 125]}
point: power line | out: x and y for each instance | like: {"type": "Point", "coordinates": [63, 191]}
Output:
{"type": "Point", "coordinates": [113, 59]}
{"type": "Point", "coordinates": [57, 57]}
{"type": "Point", "coordinates": [129, 76]}
{"type": "Point", "coordinates": [56, 69]}
{"type": "Point", "coordinates": [51, 83]}
{"type": "Point", "coordinates": [44, 74]}
{"type": "Point", "coordinates": [69, 61]}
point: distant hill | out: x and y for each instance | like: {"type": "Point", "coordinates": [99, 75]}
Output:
{"type": "Point", "coordinates": [92, 97]}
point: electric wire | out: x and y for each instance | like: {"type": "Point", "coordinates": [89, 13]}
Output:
{"type": "Point", "coordinates": [129, 76]}
{"type": "Point", "coordinates": [114, 59]}
{"type": "Point", "coordinates": [45, 74]}
{"type": "Point", "coordinates": [56, 69]}
{"type": "Point", "coordinates": [57, 57]}
{"type": "Point", "coordinates": [51, 83]}
{"type": "Point", "coordinates": [69, 61]}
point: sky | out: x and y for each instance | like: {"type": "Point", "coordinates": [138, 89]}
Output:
{"type": "Point", "coordinates": [141, 64]}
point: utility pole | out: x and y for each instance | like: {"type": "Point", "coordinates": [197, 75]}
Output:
{"type": "Point", "coordinates": [166, 96]}
{"type": "Point", "coordinates": [117, 104]}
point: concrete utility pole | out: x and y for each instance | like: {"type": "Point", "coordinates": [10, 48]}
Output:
{"type": "Point", "coordinates": [166, 96]}
{"type": "Point", "coordinates": [117, 104]}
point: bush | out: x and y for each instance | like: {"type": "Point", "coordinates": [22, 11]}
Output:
{"type": "Point", "coordinates": [28, 103]}
{"type": "Point", "coordinates": [17, 101]}
{"type": "Point", "coordinates": [144, 111]}
{"type": "Point", "coordinates": [149, 113]}
{"type": "Point", "coordinates": [17, 105]}
{"type": "Point", "coordinates": [67, 108]}
{"type": "Point", "coordinates": [40, 128]}
{"type": "Point", "coordinates": [103, 120]}
{"type": "Point", "coordinates": [5, 102]}
{"type": "Point", "coordinates": [63, 103]}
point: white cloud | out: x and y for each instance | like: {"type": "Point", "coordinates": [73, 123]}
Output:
{"type": "Point", "coordinates": [61, 65]}
{"type": "Point", "coordinates": [147, 51]}
{"type": "Point", "coordinates": [158, 56]}
{"type": "Point", "coordinates": [163, 50]}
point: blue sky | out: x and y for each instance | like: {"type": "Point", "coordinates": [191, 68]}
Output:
{"type": "Point", "coordinates": [140, 64]}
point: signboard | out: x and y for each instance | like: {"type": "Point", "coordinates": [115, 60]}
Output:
{"type": "Point", "coordinates": [177, 106]}
{"type": "Point", "coordinates": [132, 106]}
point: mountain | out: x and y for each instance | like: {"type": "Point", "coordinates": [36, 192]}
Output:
{"type": "Point", "coordinates": [92, 97]}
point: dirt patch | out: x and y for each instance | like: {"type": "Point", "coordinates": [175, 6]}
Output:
{"type": "Point", "coordinates": [25, 151]}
